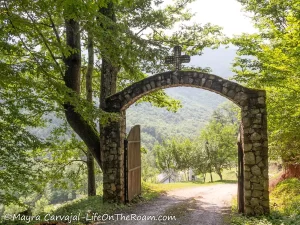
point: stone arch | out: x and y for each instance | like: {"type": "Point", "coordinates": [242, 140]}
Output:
{"type": "Point", "coordinates": [254, 136]}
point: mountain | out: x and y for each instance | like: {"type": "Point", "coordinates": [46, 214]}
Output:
{"type": "Point", "coordinates": [198, 105]}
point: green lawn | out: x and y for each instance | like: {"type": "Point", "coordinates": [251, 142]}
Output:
{"type": "Point", "coordinates": [227, 175]}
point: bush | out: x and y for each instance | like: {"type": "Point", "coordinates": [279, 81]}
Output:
{"type": "Point", "coordinates": [285, 207]}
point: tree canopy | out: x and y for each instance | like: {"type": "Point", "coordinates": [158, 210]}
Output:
{"type": "Point", "coordinates": [44, 60]}
{"type": "Point", "coordinates": [270, 60]}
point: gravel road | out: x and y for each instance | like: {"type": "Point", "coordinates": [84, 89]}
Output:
{"type": "Point", "coordinates": [205, 205]}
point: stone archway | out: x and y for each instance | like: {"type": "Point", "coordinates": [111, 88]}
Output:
{"type": "Point", "coordinates": [254, 136]}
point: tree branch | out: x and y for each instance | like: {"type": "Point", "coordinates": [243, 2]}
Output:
{"type": "Point", "coordinates": [72, 80]}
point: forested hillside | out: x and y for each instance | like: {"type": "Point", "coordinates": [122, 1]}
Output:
{"type": "Point", "coordinates": [197, 104]}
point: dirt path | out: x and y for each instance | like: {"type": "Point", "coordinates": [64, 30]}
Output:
{"type": "Point", "coordinates": [206, 205]}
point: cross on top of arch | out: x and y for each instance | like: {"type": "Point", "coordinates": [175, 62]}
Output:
{"type": "Point", "coordinates": [177, 59]}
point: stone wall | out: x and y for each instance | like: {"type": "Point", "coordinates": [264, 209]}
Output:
{"type": "Point", "coordinates": [254, 121]}
{"type": "Point", "coordinates": [112, 143]}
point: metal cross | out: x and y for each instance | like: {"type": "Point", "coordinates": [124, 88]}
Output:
{"type": "Point", "coordinates": [177, 59]}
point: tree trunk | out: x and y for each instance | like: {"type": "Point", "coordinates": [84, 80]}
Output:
{"type": "Point", "coordinates": [210, 171]}
{"type": "Point", "coordinates": [72, 79]}
{"type": "Point", "coordinates": [91, 174]}
{"type": "Point", "coordinates": [89, 97]}
{"type": "Point", "coordinates": [220, 175]}
{"type": "Point", "coordinates": [109, 68]}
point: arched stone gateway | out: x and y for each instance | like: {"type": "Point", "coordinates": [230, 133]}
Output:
{"type": "Point", "coordinates": [254, 136]}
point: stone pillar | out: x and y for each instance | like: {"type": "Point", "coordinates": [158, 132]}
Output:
{"type": "Point", "coordinates": [255, 146]}
{"type": "Point", "coordinates": [112, 143]}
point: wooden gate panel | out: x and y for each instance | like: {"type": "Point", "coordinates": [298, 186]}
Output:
{"type": "Point", "coordinates": [133, 173]}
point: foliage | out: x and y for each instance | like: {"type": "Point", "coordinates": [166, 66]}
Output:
{"type": "Point", "coordinates": [173, 155]}
{"type": "Point", "coordinates": [149, 170]}
{"type": "Point", "coordinates": [213, 151]}
{"type": "Point", "coordinates": [37, 56]}
{"type": "Point", "coordinates": [164, 156]}
{"type": "Point", "coordinates": [285, 206]}
{"type": "Point", "coordinates": [216, 147]}
{"type": "Point", "coordinates": [270, 60]}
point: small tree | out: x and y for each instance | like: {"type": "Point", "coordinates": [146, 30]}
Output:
{"type": "Point", "coordinates": [164, 158]}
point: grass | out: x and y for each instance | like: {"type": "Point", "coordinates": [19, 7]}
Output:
{"type": "Point", "coordinates": [151, 190]}
{"type": "Point", "coordinates": [285, 207]}
{"type": "Point", "coordinates": [82, 208]}
{"type": "Point", "coordinates": [94, 205]}
{"type": "Point", "coordinates": [227, 175]}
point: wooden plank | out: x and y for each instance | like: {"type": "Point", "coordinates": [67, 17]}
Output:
{"type": "Point", "coordinates": [134, 163]}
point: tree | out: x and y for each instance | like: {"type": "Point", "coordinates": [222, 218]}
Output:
{"type": "Point", "coordinates": [181, 150]}
{"type": "Point", "coordinates": [42, 62]}
{"type": "Point", "coordinates": [149, 169]}
{"type": "Point", "coordinates": [216, 148]}
{"type": "Point", "coordinates": [270, 60]}
{"type": "Point", "coordinates": [119, 36]}
{"type": "Point", "coordinates": [164, 157]}
{"type": "Point", "coordinates": [174, 154]}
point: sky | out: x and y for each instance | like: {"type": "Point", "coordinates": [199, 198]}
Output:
{"type": "Point", "coordinates": [225, 13]}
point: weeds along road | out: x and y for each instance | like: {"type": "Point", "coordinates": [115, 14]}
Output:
{"type": "Point", "coordinates": [203, 205]}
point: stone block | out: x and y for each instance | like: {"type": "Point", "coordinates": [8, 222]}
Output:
{"type": "Point", "coordinates": [254, 111]}
{"type": "Point", "coordinates": [224, 90]}
{"type": "Point", "coordinates": [249, 158]}
{"type": "Point", "coordinates": [112, 177]}
{"type": "Point", "coordinates": [247, 147]}
{"type": "Point", "coordinates": [186, 79]}
{"type": "Point", "coordinates": [265, 203]}
{"type": "Point", "coordinates": [211, 77]}
{"type": "Point", "coordinates": [217, 87]}
{"type": "Point", "coordinates": [258, 159]}
{"type": "Point", "coordinates": [265, 173]}
{"type": "Point", "coordinates": [227, 84]}
{"type": "Point", "coordinates": [261, 100]}
{"type": "Point", "coordinates": [249, 211]}
{"type": "Point", "coordinates": [246, 122]}
{"type": "Point", "coordinates": [254, 201]}
{"type": "Point", "coordinates": [247, 185]}
{"type": "Point", "coordinates": [238, 88]}
{"type": "Point", "coordinates": [175, 80]}
{"type": "Point", "coordinates": [248, 193]}
{"type": "Point", "coordinates": [247, 175]}
{"type": "Point", "coordinates": [240, 96]}
{"type": "Point", "coordinates": [258, 210]}
{"type": "Point", "coordinates": [247, 168]}
{"type": "Point", "coordinates": [258, 187]}
{"type": "Point", "coordinates": [231, 93]}
{"type": "Point", "coordinates": [208, 83]}
{"type": "Point", "coordinates": [255, 136]}
{"type": "Point", "coordinates": [197, 82]}
{"type": "Point", "coordinates": [255, 170]}
{"type": "Point", "coordinates": [255, 179]}
{"type": "Point", "coordinates": [261, 164]}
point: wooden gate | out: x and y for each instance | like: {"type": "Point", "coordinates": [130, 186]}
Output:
{"type": "Point", "coordinates": [132, 164]}
{"type": "Point", "coordinates": [240, 172]}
